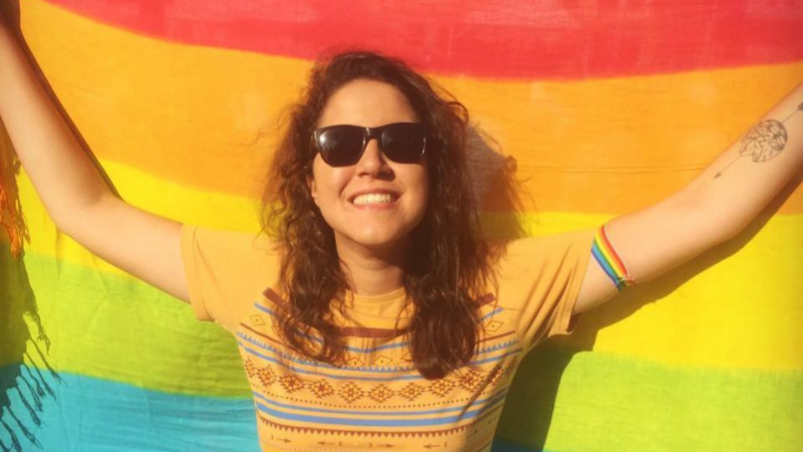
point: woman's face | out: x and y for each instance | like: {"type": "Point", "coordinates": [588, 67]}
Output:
{"type": "Point", "coordinates": [369, 103]}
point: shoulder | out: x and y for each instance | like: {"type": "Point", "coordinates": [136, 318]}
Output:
{"type": "Point", "coordinates": [560, 248]}
{"type": "Point", "coordinates": [227, 270]}
{"type": "Point", "coordinates": [224, 243]}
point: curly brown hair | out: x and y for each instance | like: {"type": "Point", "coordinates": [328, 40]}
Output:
{"type": "Point", "coordinates": [451, 266]}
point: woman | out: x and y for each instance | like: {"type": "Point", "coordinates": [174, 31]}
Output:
{"type": "Point", "coordinates": [374, 314]}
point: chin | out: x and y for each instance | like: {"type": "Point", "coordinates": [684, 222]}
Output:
{"type": "Point", "coordinates": [375, 238]}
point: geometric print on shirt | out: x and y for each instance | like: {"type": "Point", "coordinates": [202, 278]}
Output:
{"type": "Point", "coordinates": [378, 401]}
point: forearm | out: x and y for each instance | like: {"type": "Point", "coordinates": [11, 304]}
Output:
{"type": "Point", "coordinates": [735, 187]}
{"type": "Point", "coordinates": [64, 177]}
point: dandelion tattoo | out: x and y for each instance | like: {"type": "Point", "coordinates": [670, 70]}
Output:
{"type": "Point", "coordinates": [764, 141]}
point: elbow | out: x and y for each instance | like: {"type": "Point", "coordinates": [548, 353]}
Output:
{"type": "Point", "coordinates": [715, 223]}
{"type": "Point", "coordinates": [721, 227]}
{"type": "Point", "coordinates": [76, 221]}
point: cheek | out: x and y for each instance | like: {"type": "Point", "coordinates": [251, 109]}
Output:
{"type": "Point", "coordinates": [329, 183]}
{"type": "Point", "coordinates": [422, 189]}
{"type": "Point", "coordinates": [331, 188]}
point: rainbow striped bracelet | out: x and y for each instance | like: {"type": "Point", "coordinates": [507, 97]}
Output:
{"type": "Point", "coordinates": [606, 256]}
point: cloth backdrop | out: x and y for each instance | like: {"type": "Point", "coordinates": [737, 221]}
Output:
{"type": "Point", "coordinates": [581, 111]}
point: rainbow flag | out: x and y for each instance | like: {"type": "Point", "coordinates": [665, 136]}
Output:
{"type": "Point", "coordinates": [602, 108]}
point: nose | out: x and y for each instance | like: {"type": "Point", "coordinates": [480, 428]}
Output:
{"type": "Point", "coordinates": [373, 162]}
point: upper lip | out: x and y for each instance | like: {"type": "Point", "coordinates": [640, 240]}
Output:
{"type": "Point", "coordinates": [392, 193]}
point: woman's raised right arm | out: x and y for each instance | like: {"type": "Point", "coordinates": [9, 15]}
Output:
{"type": "Point", "coordinates": [75, 195]}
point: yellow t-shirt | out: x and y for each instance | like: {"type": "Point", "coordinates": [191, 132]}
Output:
{"type": "Point", "coordinates": [380, 401]}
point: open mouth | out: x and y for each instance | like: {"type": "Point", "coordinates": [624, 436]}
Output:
{"type": "Point", "coordinates": [367, 199]}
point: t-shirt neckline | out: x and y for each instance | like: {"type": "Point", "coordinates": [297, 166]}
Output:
{"type": "Point", "coordinates": [388, 305]}
{"type": "Point", "coordinates": [373, 300]}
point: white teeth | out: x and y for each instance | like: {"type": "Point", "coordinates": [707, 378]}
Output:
{"type": "Point", "coordinates": [373, 198]}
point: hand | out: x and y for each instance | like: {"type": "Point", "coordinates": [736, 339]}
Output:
{"type": "Point", "coordinates": [10, 16]}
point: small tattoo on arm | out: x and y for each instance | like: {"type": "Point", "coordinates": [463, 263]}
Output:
{"type": "Point", "coordinates": [764, 141]}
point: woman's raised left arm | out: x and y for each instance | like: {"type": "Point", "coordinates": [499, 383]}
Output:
{"type": "Point", "coordinates": [713, 208]}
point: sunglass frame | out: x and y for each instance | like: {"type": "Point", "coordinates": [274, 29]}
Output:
{"type": "Point", "coordinates": [369, 133]}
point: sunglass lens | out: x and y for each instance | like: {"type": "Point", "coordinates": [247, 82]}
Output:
{"type": "Point", "coordinates": [341, 145]}
{"type": "Point", "coordinates": [403, 143]}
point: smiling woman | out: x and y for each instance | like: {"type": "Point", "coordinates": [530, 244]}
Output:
{"type": "Point", "coordinates": [374, 312]}
{"type": "Point", "coordinates": [413, 241]}
{"type": "Point", "coordinates": [380, 296]}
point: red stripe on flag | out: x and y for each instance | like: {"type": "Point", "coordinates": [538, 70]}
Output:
{"type": "Point", "coordinates": [502, 38]}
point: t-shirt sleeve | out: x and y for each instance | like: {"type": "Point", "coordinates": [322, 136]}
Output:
{"type": "Point", "coordinates": [539, 281]}
{"type": "Point", "coordinates": [226, 271]}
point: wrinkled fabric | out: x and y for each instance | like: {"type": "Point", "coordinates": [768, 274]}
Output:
{"type": "Point", "coordinates": [580, 112]}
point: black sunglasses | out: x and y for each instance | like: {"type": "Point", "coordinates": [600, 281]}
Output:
{"type": "Point", "coordinates": [343, 145]}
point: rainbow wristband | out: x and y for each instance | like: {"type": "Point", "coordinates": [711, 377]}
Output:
{"type": "Point", "coordinates": [609, 261]}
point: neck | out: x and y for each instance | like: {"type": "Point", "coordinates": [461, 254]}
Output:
{"type": "Point", "coordinates": [373, 270]}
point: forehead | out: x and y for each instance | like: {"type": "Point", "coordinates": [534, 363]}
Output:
{"type": "Point", "coordinates": [367, 103]}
